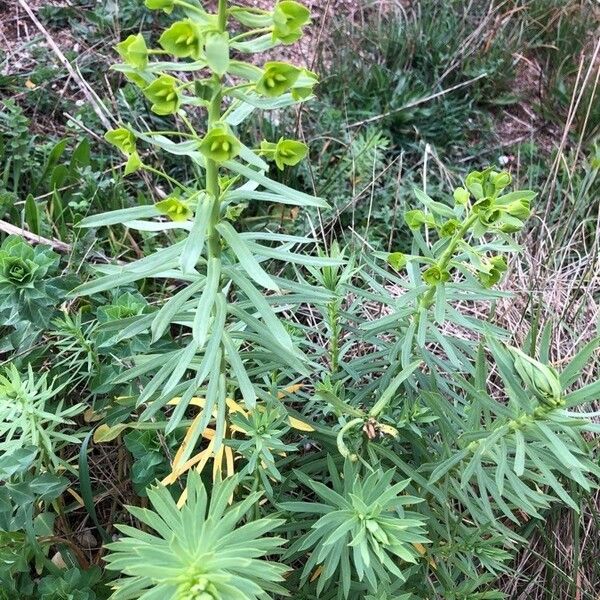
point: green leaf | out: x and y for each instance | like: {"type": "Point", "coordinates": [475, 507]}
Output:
{"type": "Point", "coordinates": [164, 317]}
{"type": "Point", "coordinates": [216, 50]}
{"type": "Point", "coordinates": [17, 461]}
{"type": "Point", "coordinates": [119, 216]}
{"type": "Point", "coordinates": [519, 466]}
{"type": "Point", "coordinates": [85, 486]}
{"type": "Point", "coordinates": [572, 371]}
{"type": "Point", "coordinates": [392, 388]}
{"type": "Point", "coordinates": [243, 381]}
{"type": "Point", "coordinates": [183, 364]}
{"type": "Point", "coordinates": [207, 300]}
{"type": "Point", "coordinates": [245, 257]}
{"type": "Point", "coordinates": [241, 195]}
{"type": "Point", "coordinates": [436, 207]}
{"type": "Point", "coordinates": [195, 240]}
{"type": "Point", "coordinates": [293, 196]}
{"type": "Point", "coordinates": [32, 215]}
{"type": "Point", "coordinates": [281, 254]}
{"type": "Point", "coordinates": [271, 321]}
{"type": "Point", "coordinates": [48, 486]}
{"type": "Point", "coordinates": [115, 280]}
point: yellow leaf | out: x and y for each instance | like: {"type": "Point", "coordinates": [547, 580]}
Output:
{"type": "Point", "coordinates": [175, 474]}
{"type": "Point", "coordinates": [124, 400]}
{"type": "Point", "coordinates": [182, 499]}
{"type": "Point", "coordinates": [218, 462]}
{"type": "Point", "coordinates": [206, 454]}
{"type": "Point", "coordinates": [292, 389]}
{"type": "Point", "coordinates": [90, 415]}
{"type": "Point", "coordinates": [234, 407]}
{"type": "Point", "coordinates": [30, 85]}
{"type": "Point", "coordinates": [186, 440]}
{"type": "Point", "coordinates": [194, 401]}
{"type": "Point", "coordinates": [76, 496]}
{"type": "Point", "coordinates": [300, 425]}
{"type": "Point", "coordinates": [422, 551]}
{"type": "Point", "coordinates": [388, 430]}
{"type": "Point", "coordinates": [106, 433]}
{"type": "Point", "coordinates": [420, 548]}
{"type": "Point", "coordinates": [229, 459]}
{"type": "Point", "coordinates": [317, 572]}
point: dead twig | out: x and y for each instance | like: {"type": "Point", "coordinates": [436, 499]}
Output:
{"type": "Point", "coordinates": [35, 239]}
{"type": "Point", "coordinates": [57, 245]}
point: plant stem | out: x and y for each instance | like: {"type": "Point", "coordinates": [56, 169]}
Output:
{"type": "Point", "coordinates": [335, 332]}
{"type": "Point", "coordinates": [246, 34]}
{"type": "Point", "coordinates": [445, 258]}
{"type": "Point", "coordinates": [189, 6]}
{"type": "Point", "coordinates": [222, 18]}
{"type": "Point", "coordinates": [212, 184]}
{"type": "Point", "coordinates": [212, 169]}
{"type": "Point", "coordinates": [170, 179]}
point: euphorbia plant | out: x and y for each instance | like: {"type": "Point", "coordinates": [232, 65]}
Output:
{"type": "Point", "coordinates": [410, 420]}
{"type": "Point", "coordinates": [233, 343]}
{"type": "Point", "coordinates": [483, 430]}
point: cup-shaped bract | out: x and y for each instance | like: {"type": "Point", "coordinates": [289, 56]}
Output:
{"type": "Point", "coordinates": [219, 144]}
{"type": "Point", "coordinates": [164, 94]}
{"type": "Point", "coordinates": [122, 138]}
{"type": "Point", "coordinates": [134, 51]}
{"type": "Point", "coordinates": [277, 79]}
{"type": "Point", "coordinates": [183, 39]}
{"type": "Point", "coordinates": [289, 18]}
{"type": "Point", "coordinates": [175, 208]}
{"type": "Point", "coordinates": [166, 5]}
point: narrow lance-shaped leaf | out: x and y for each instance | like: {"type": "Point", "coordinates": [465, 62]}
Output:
{"type": "Point", "coordinates": [194, 243]}
{"type": "Point", "coordinates": [243, 381]}
{"type": "Point", "coordinates": [164, 317]}
{"type": "Point", "coordinates": [244, 255]}
{"type": "Point", "coordinates": [206, 302]}
{"type": "Point", "coordinates": [263, 308]}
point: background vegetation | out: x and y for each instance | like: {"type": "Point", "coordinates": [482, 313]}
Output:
{"type": "Point", "coordinates": [412, 94]}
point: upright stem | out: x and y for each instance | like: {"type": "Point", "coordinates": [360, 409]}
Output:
{"type": "Point", "coordinates": [334, 341]}
{"type": "Point", "coordinates": [222, 19]}
{"type": "Point", "coordinates": [212, 169]}
{"type": "Point", "coordinates": [212, 179]}
{"type": "Point", "coordinates": [428, 297]}
{"type": "Point", "coordinates": [445, 258]}
{"type": "Point", "coordinates": [212, 184]}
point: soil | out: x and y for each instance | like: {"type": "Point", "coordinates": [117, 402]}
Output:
{"type": "Point", "coordinates": [521, 121]}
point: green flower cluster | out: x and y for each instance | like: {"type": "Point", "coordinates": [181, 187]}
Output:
{"type": "Point", "coordinates": [506, 213]}
{"type": "Point", "coordinates": [198, 37]}
{"type": "Point", "coordinates": [541, 379]}
{"type": "Point", "coordinates": [481, 207]}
